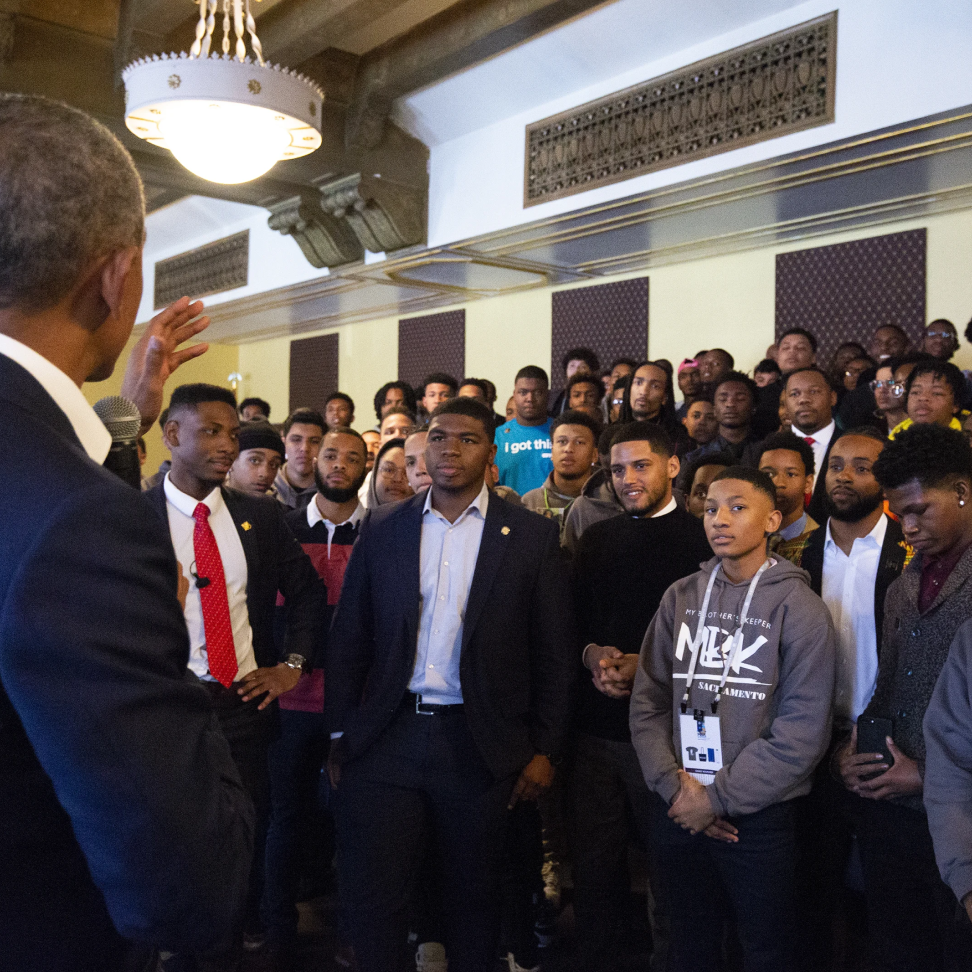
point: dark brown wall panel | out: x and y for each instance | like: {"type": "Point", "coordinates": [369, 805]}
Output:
{"type": "Point", "coordinates": [611, 319]}
{"type": "Point", "coordinates": [433, 342]}
{"type": "Point", "coordinates": [313, 371]}
{"type": "Point", "coordinates": [843, 292]}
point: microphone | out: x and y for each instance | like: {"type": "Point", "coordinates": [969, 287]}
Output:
{"type": "Point", "coordinates": [122, 419]}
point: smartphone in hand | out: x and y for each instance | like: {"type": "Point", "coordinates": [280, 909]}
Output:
{"type": "Point", "coordinates": [872, 736]}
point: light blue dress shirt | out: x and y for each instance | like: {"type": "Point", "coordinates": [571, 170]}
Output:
{"type": "Point", "coordinates": [447, 562]}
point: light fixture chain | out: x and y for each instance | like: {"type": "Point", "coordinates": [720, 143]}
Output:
{"type": "Point", "coordinates": [196, 48]}
{"type": "Point", "coordinates": [254, 40]}
{"type": "Point", "coordinates": [238, 30]}
{"type": "Point", "coordinates": [226, 26]}
{"type": "Point", "coordinates": [210, 26]}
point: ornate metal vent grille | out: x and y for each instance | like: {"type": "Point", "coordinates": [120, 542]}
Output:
{"type": "Point", "coordinates": [774, 86]}
{"type": "Point", "coordinates": [210, 269]}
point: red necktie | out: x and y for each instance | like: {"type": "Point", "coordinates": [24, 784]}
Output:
{"type": "Point", "coordinates": [810, 440]}
{"type": "Point", "coordinates": [215, 603]}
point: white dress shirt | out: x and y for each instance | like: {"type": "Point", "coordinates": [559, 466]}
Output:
{"type": "Point", "coordinates": [821, 441]}
{"type": "Point", "coordinates": [95, 439]}
{"type": "Point", "coordinates": [180, 507]}
{"type": "Point", "coordinates": [315, 516]}
{"type": "Point", "coordinates": [847, 589]}
{"type": "Point", "coordinates": [447, 562]}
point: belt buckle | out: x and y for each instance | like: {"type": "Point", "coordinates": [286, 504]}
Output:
{"type": "Point", "coordinates": [423, 708]}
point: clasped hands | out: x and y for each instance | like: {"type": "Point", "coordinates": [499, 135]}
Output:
{"type": "Point", "coordinates": [612, 671]}
{"type": "Point", "coordinates": [901, 779]}
{"type": "Point", "coordinates": [692, 811]}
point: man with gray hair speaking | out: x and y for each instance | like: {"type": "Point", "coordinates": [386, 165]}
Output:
{"type": "Point", "coordinates": [122, 816]}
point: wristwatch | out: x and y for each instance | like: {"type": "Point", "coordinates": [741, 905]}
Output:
{"type": "Point", "coordinates": [296, 661]}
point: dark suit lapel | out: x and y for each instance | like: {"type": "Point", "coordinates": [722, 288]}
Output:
{"type": "Point", "coordinates": [408, 559]}
{"type": "Point", "coordinates": [22, 389]}
{"type": "Point", "coordinates": [492, 550]}
{"type": "Point", "coordinates": [248, 536]}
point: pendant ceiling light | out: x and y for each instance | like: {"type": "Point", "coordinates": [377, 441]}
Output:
{"type": "Point", "coordinates": [226, 117]}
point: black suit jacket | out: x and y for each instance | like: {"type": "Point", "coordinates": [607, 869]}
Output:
{"type": "Point", "coordinates": [116, 784]}
{"type": "Point", "coordinates": [818, 500]}
{"type": "Point", "coordinates": [518, 644]}
{"type": "Point", "coordinates": [275, 562]}
{"type": "Point", "coordinates": [890, 566]}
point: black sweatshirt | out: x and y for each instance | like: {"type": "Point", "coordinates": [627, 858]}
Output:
{"type": "Point", "coordinates": [622, 567]}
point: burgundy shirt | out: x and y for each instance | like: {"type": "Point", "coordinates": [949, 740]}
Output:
{"type": "Point", "coordinates": [935, 571]}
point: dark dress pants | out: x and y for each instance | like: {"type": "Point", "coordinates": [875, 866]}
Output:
{"type": "Point", "coordinates": [709, 883]}
{"type": "Point", "coordinates": [610, 807]}
{"type": "Point", "coordinates": [423, 782]}
{"type": "Point", "coordinates": [913, 917]}
{"type": "Point", "coordinates": [300, 825]}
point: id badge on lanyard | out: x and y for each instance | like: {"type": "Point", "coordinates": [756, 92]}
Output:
{"type": "Point", "coordinates": [701, 734]}
{"type": "Point", "coordinates": [701, 745]}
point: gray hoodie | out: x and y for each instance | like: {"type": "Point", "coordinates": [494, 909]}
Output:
{"type": "Point", "coordinates": [775, 711]}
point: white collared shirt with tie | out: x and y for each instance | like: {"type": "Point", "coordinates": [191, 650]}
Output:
{"type": "Point", "coordinates": [820, 444]}
{"type": "Point", "coordinates": [179, 507]}
{"type": "Point", "coordinates": [847, 588]}
{"type": "Point", "coordinates": [447, 563]}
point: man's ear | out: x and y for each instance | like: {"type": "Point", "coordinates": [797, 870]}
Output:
{"type": "Point", "coordinates": [674, 467]}
{"type": "Point", "coordinates": [101, 291]}
{"type": "Point", "coordinates": [773, 521]}
{"type": "Point", "coordinates": [170, 434]}
{"type": "Point", "coordinates": [492, 454]}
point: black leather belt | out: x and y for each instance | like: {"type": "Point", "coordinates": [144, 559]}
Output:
{"type": "Point", "coordinates": [430, 708]}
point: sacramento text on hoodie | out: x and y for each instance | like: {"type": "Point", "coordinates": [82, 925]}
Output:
{"type": "Point", "coordinates": [775, 710]}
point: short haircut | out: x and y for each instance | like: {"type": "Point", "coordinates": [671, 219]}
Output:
{"type": "Point", "coordinates": [69, 195]}
{"type": "Point", "coordinates": [534, 373]}
{"type": "Point", "coordinates": [476, 383]}
{"type": "Point", "coordinates": [809, 368]}
{"type": "Point", "coordinates": [650, 432]}
{"type": "Point", "coordinates": [260, 404]}
{"type": "Point", "coordinates": [865, 432]}
{"type": "Point", "coordinates": [417, 430]}
{"type": "Point", "coordinates": [347, 430]}
{"type": "Point", "coordinates": [792, 443]}
{"type": "Point", "coordinates": [304, 416]}
{"type": "Point", "coordinates": [163, 418]}
{"type": "Point", "coordinates": [191, 396]}
{"type": "Point", "coordinates": [408, 394]}
{"type": "Point", "coordinates": [930, 454]}
{"type": "Point", "coordinates": [334, 396]}
{"type": "Point", "coordinates": [574, 417]}
{"type": "Point", "coordinates": [943, 370]}
{"type": "Point", "coordinates": [725, 354]}
{"type": "Point", "coordinates": [584, 379]}
{"type": "Point", "coordinates": [440, 378]}
{"type": "Point", "coordinates": [941, 322]}
{"type": "Point", "coordinates": [399, 410]}
{"type": "Point", "coordinates": [741, 379]}
{"type": "Point", "coordinates": [581, 354]}
{"type": "Point", "coordinates": [623, 360]}
{"type": "Point", "coordinates": [767, 367]}
{"type": "Point", "coordinates": [893, 327]}
{"type": "Point", "coordinates": [758, 480]}
{"type": "Point", "coordinates": [689, 472]}
{"type": "Point", "coordinates": [471, 408]}
{"type": "Point", "coordinates": [911, 357]}
{"type": "Point", "coordinates": [803, 332]}
{"type": "Point", "coordinates": [605, 439]}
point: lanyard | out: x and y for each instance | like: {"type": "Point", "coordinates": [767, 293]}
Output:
{"type": "Point", "coordinates": [737, 638]}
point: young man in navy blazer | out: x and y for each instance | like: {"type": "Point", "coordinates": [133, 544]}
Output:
{"type": "Point", "coordinates": [448, 675]}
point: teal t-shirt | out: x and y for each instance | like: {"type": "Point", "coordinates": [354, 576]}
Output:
{"type": "Point", "coordinates": [523, 455]}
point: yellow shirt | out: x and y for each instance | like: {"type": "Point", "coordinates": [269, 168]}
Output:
{"type": "Point", "coordinates": [907, 423]}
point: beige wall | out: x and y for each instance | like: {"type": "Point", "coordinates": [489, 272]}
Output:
{"type": "Point", "coordinates": [726, 300]}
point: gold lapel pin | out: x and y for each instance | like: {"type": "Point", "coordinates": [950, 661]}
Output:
{"type": "Point", "coordinates": [245, 524]}
{"type": "Point", "coordinates": [505, 531]}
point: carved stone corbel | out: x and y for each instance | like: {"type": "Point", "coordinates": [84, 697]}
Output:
{"type": "Point", "coordinates": [323, 239]}
{"type": "Point", "coordinates": [384, 215]}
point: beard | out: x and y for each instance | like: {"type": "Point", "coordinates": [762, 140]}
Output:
{"type": "Point", "coordinates": [334, 495]}
{"type": "Point", "coordinates": [864, 506]}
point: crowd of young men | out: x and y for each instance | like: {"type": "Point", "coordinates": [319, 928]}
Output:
{"type": "Point", "coordinates": [468, 657]}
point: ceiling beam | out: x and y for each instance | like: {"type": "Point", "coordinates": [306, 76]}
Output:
{"type": "Point", "coordinates": [456, 39]}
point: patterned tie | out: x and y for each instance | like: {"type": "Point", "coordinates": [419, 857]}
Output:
{"type": "Point", "coordinates": [215, 604]}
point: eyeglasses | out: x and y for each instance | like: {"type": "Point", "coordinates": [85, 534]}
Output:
{"type": "Point", "coordinates": [896, 388]}
{"type": "Point", "coordinates": [940, 334]}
